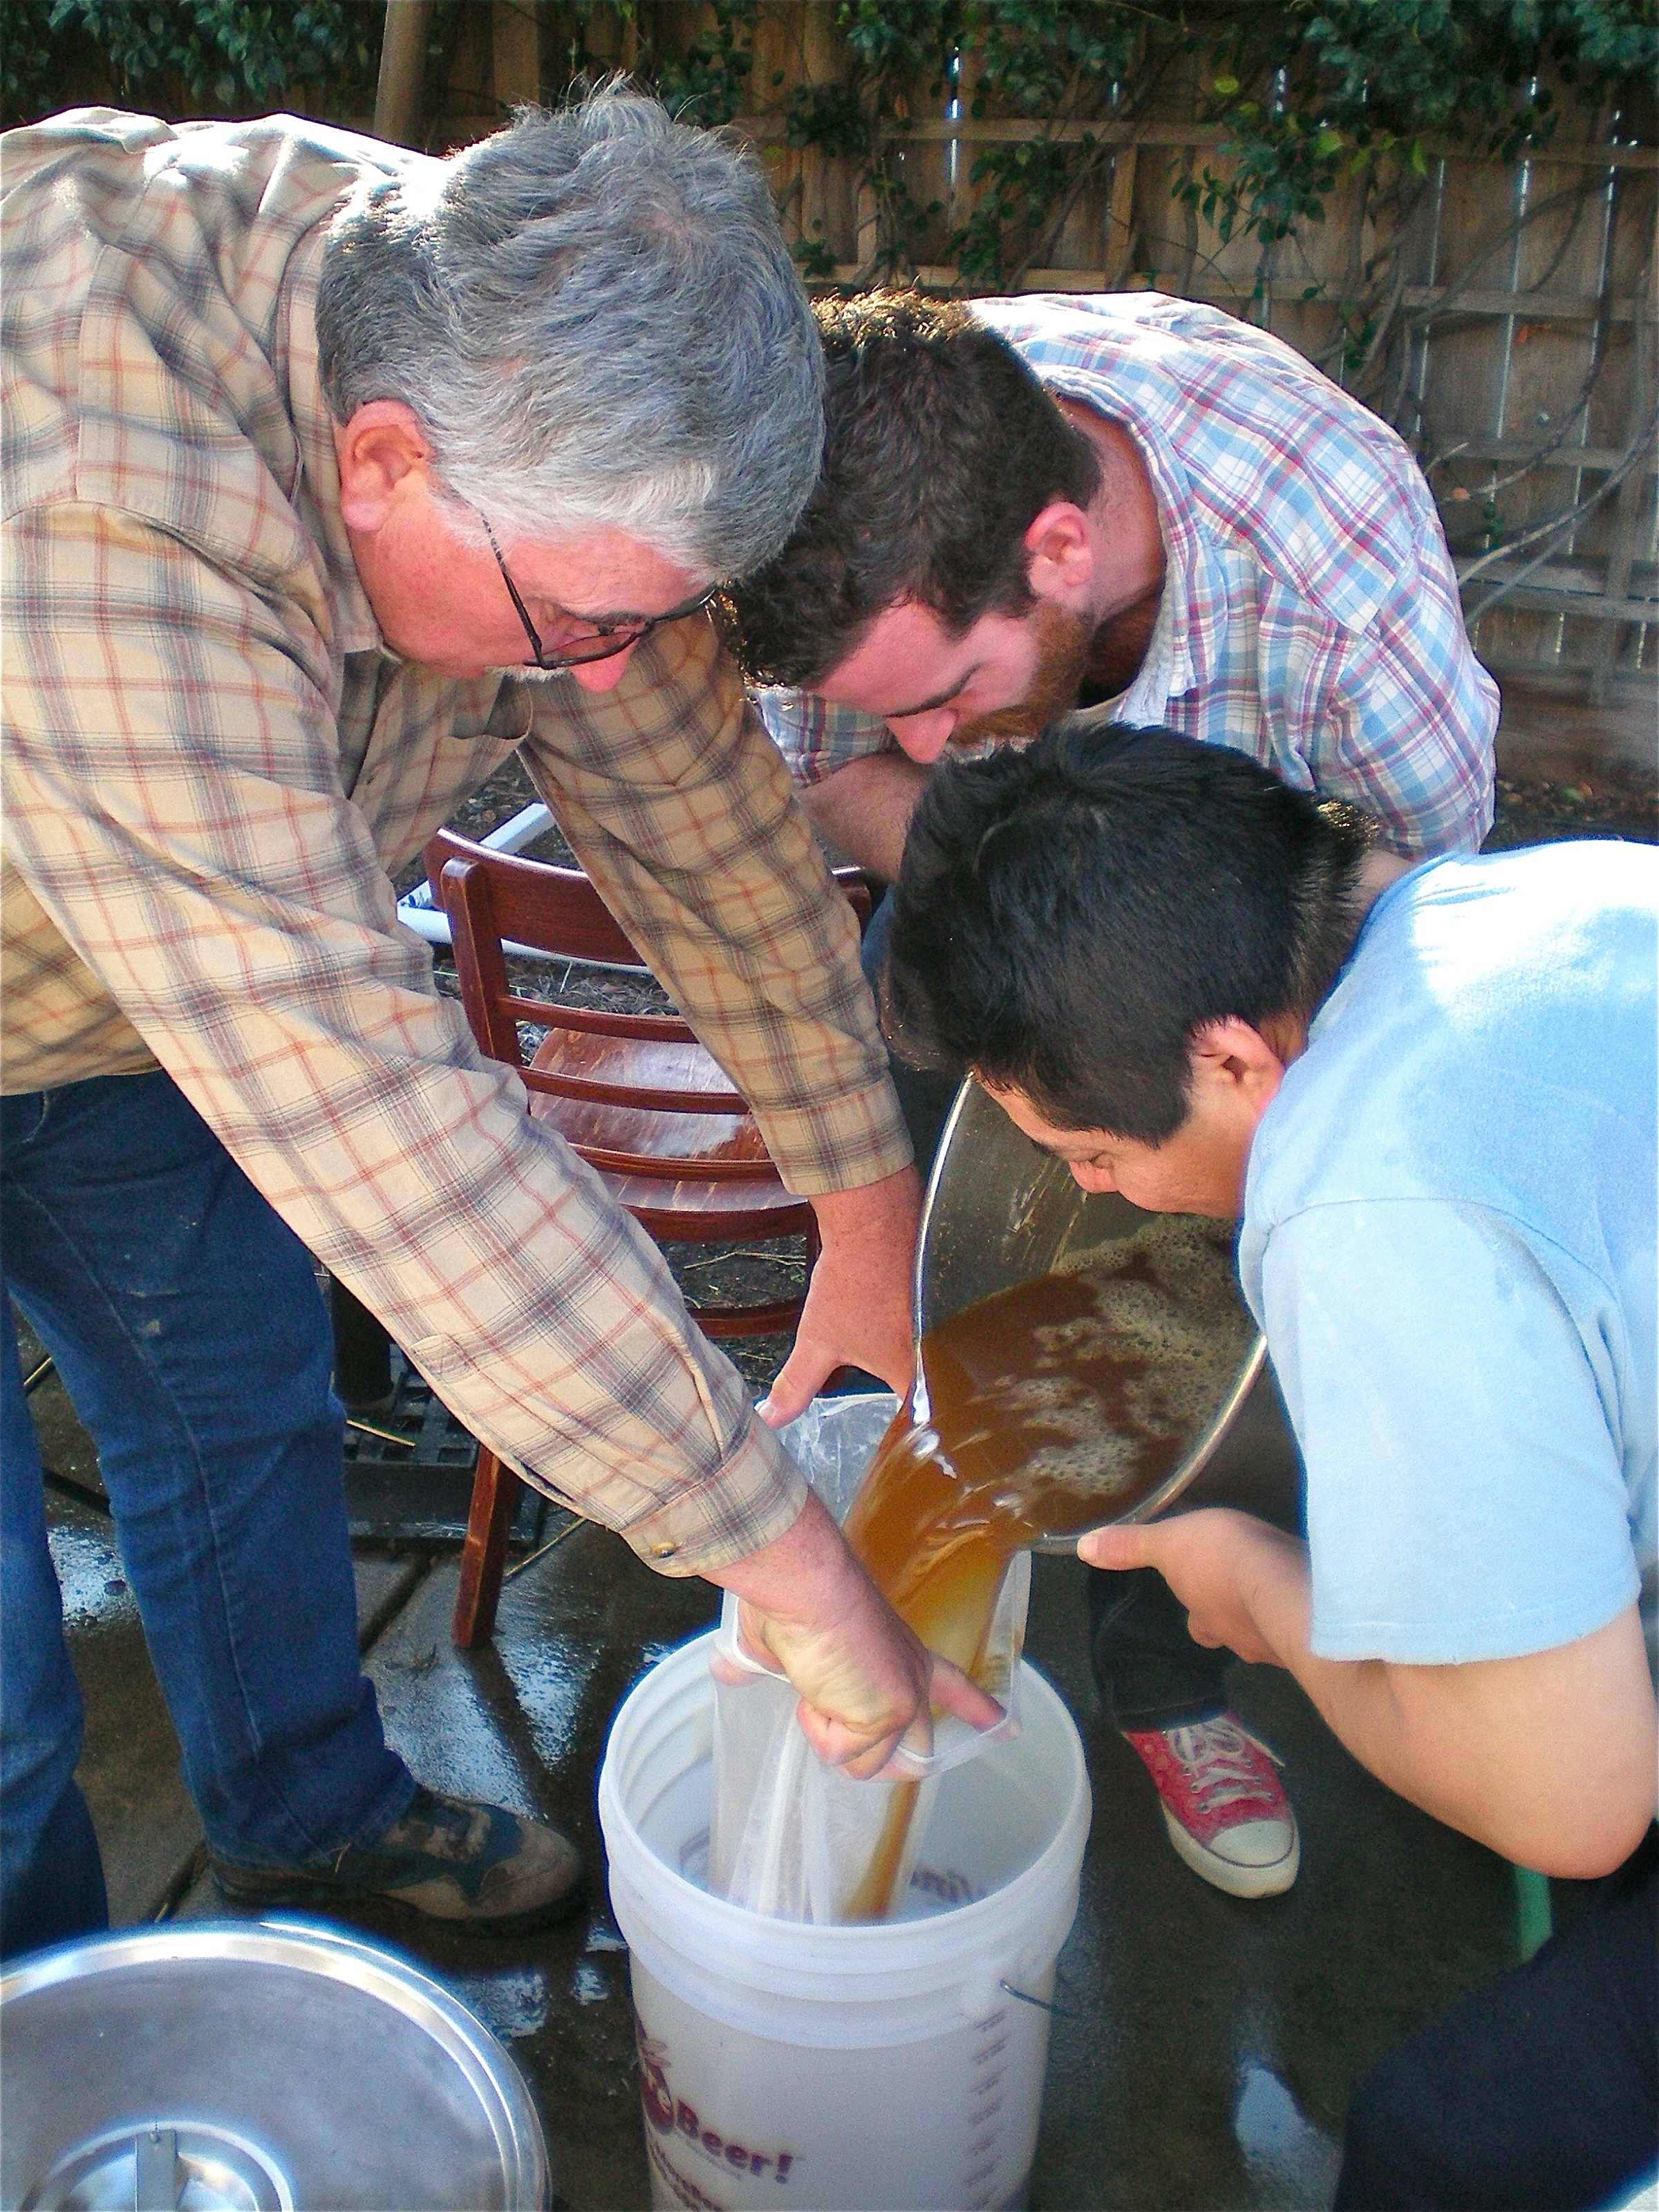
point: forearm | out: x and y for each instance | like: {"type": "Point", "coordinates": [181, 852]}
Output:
{"type": "Point", "coordinates": [1358, 1699]}
{"type": "Point", "coordinates": [881, 1215]}
{"type": "Point", "coordinates": [1549, 1758]}
{"type": "Point", "coordinates": [858, 1308]}
{"type": "Point", "coordinates": [1274, 1592]}
{"type": "Point", "coordinates": [805, 1576]}
{"type": "Point", "coordinates": [863, 809]}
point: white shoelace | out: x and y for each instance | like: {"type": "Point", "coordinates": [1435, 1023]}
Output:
{"type": "Point", "coordinates": [1216, 1757]}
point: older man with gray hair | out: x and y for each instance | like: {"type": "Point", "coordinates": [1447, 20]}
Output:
{"type": "Point", "coordinates": [311, 444]}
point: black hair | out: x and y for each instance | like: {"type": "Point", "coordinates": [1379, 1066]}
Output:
{"type": "Point", "coordinates": [1069, 917]}
{"type": "Point", "coordinates": [941, 449]}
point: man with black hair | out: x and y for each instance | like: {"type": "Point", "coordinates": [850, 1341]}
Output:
{"type": "Point", "coordinates": [1428, 1093]}
{"type": "Point", "coordinates": [1032, 504]}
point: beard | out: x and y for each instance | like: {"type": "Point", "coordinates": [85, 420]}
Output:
{"type": "Point", "coordinates": [1063, 639]}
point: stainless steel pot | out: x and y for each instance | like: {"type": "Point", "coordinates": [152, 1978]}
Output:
{"type": "Point", "coordinates": [263, 2066]}
{"type": "Point", "coordinates": [999, 1211]}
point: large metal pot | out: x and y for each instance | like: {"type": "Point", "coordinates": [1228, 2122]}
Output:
{"type": "Point", "coordinates": [264, 2066]}
{"type": "Point", "coordinates": [999, 1211]}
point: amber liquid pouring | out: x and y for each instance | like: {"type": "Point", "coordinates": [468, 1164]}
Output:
{"type": "Point", "coordinates": [1055, 1405]}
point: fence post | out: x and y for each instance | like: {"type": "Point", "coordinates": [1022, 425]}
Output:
{"type": "Point", "coordinates": [516, 49]}
{"type": "Point", "coordinates": [403, 70]}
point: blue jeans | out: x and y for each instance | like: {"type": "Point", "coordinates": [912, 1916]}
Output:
{"type": "Point", "coordinates": [186, 1324]}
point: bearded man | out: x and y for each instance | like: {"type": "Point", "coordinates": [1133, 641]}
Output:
{"type": "Point", "coordinates": [1141, 505]}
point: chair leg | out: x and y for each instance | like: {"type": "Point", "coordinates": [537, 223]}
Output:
{"type": "Point", "coordinates": [484, 1558]}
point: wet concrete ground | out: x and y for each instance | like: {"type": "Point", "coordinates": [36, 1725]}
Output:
{"type": "Point", "coordinates": [1205, 2049]}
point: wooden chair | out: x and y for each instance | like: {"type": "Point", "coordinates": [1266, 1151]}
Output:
{"type": "Point", "coordinates": [635, 1095]}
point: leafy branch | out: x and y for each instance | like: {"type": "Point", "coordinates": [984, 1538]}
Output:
{"type": "Point", "coordinates": [241, 56]}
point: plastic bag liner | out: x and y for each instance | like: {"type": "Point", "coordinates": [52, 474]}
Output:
{"type": "Point", "coordinates": [788, 1836]}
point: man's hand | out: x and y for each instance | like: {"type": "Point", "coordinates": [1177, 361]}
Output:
{"type": "Point", "coordinates": [857, 1310]}
{"type": "Point", "coordinates": [1243, 1584]}
{"type": "Point", "coordinates": [867, 1685]}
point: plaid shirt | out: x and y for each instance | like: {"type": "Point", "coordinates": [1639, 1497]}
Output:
{"type": "Point", "coordinates": [212, 764]}
{"type": "Point", "coordinates": [1310, 614]}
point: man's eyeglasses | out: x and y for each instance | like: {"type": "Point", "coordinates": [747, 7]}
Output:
{"type": "Point", "coordinates": [604, 639]}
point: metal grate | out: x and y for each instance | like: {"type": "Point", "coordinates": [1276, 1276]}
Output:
{"type": "Point", "coordinates": [409, 1469]}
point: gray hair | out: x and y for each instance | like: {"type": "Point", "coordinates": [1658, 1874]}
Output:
{"type": "Point", "coordinates": [596, 318]}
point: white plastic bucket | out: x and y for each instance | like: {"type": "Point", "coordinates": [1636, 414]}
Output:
{"type": "Point", "coordinates": [843, 2068]}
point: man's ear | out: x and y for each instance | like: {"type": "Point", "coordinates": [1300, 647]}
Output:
{"type": "Point", "coordinates": [382, 451]}
{"type": "Point", "coordinates": [1240, 1068]}
{"type": "Point", "coordinates": [1060, 557]}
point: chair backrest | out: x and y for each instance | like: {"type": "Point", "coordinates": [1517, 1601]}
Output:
{"type": "Point", "coordinates": [489, 896]}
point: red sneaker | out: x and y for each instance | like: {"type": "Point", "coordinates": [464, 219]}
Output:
{"type": "Point", "coordinates": [1224, 1805]}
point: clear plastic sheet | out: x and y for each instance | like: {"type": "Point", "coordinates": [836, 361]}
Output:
{"type": "Point", "coordinates": [790, 1837]}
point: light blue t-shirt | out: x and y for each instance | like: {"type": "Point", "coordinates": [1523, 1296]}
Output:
{"type": "Point", "coordinates": [1449, 1242]}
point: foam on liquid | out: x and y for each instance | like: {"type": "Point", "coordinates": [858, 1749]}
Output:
{"type": "Point", "coordinates": [1055, 1405]}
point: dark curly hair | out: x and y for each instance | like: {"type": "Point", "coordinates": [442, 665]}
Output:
{"type": "Point", "coordinates": [941, 449]}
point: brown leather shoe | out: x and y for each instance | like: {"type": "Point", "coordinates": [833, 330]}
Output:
{"type": "Point", "coordinates": [478, 1868]}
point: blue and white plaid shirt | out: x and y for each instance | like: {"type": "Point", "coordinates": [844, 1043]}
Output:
{"type": "Point", "coordinates": [1310, 615]}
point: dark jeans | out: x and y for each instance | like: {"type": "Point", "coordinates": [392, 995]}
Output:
{"type": "Point", "coordinates": [1148, 1670]}
{"type": "Point", "coordinates": [187, 1327]}
{"type": "Point", "coordinates": [1539, 2092]}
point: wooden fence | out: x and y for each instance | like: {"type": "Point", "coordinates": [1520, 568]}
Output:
{"type": "Point", "coordinates": [1522, 318]}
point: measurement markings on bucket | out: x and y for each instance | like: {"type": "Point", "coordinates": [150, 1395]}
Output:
{"type": "Point", "coordinates": [986, 2103]}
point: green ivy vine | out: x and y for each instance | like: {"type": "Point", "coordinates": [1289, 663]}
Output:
{"type": "Point", "coordinates": [1303, 100]}
{"type": "Point", "coordinates": [1307, 95]}
{"type": "Point", "coordinates": [234, 56]}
